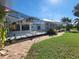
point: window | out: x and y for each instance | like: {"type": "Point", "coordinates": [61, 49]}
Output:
{"type": "Point", "coordinates": [25, 27]}
{"type": "Point", "coordinates": [38, 28]}
{"type": "Point", "coordinates": [15, 27]}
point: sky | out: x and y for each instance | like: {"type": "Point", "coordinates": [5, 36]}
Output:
{"type": "Point", "coordinates": [49, 9]}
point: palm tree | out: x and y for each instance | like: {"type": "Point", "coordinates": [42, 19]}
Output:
{"type": "Point", "coordinates": [2, 26]}
{"type": "Point", "coordinates": [67, 22]}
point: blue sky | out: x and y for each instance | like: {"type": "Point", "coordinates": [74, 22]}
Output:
{"type": "Point", "coordinates": [50, 9]}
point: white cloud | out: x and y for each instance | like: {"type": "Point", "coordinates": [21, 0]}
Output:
{"type": "Point", "coordinates": [54, 2]}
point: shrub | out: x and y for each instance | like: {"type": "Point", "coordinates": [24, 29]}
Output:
{"type": "Point", "coordinates": [9, 41]}
{"type": "Point", "coordinates": [52, 32]}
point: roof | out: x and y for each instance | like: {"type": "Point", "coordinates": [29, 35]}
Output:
{"type": "Point", "coordinates": [17, 16]}
{"type": "Point", "coordinates": [48, 20]}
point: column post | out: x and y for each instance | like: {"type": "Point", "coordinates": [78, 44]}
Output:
{"type": "Point", "coordinates": [20, 26]}
{"type": "Point", "coordinates": [30, 26]}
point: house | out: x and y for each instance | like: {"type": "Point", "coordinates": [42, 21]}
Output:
{"type": "Point", "coordinates": [21, 25]}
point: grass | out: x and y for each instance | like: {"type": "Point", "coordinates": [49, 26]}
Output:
{"type": "Point", "coordinates": [63, 47]}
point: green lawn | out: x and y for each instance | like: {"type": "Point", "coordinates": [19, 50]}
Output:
{"type": "Point", "coordinates": [63, 47]}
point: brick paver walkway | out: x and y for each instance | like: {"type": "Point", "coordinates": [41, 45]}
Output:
{"type": "Point", "coordinates": [20, 49]}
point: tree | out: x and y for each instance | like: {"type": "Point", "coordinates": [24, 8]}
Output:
{"type": "Point", "coordinates": [2, 14]}
{"type": "Point", "coordinates": [77, 23]}
{"type": "Point", "coordinates": [76, 13]}
{"type": "Point", "coordinates": [76, 10]}
{"type": "Point", "coordinates": [3, 28]}
{"type": "Point", "coordinates": [66, 21]}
